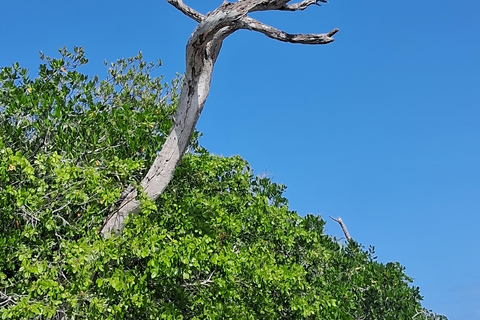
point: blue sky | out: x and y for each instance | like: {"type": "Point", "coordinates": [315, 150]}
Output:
{"type": "Point", "coordinates": [380, 127]}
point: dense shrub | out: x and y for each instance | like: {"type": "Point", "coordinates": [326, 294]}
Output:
{"type": "Point", "coordinates": [219, 243]}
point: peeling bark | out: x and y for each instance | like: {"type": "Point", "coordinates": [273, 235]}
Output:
{"type": "Point", "coordinates": [202, 51]}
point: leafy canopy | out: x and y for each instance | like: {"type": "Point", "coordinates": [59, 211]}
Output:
{"type": "Point", "coordinates": [219, 243]}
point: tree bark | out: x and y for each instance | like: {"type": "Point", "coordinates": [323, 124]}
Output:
{"type": "Point", "coordinates": [202, 51]}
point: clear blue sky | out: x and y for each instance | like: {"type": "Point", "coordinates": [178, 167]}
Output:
{"type": "Point", "coordinates": [381, 127]}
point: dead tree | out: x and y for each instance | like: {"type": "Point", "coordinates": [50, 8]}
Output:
{"type": "Point", "coordinates": [202, 51]}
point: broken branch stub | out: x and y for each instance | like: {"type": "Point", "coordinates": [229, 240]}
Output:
{"type": "Point", "coordinates": [202, 51]}
{"type": "Point", "coordinates": [343, 226]}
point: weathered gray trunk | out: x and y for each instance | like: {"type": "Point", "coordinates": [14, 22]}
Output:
{"type": "Point", "coordinates": [202, 51]}
{"type": "Point", "coordinates": [200, 59]}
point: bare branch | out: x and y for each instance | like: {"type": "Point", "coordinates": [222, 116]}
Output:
{"type": "Point", "coordinates": [6, 300]}
{"type": "Point", "coordinates": [259, 5]}
{"type": "Point", "coordinates": [271, 32]}
{"type": "Point", "coordinates": [205, 282]}
{"type": "Point", "coordinates": [344, 228]}
{"type": "Point", "coordinates": [61, 208]}
{"type": "Point", "coordinates": [195, 15]}
{"type": "Point", "coordinates": [29, 216]}
{"type": "Point", "coordinates": [301, 5]}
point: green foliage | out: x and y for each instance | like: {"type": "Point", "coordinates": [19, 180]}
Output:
{"type": "Point", "coordinates": [219, 243]}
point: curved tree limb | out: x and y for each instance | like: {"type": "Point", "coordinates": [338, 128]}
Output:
{"type": "Point", "coordinates": [189, 12]}
{"type": "Point", "coordinates": [202, 51]}
{"type": "Point", "coordinates": [271, 32]}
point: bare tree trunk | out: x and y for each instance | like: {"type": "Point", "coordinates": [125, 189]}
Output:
{"type": "Point", "coordinates": [202, 51]}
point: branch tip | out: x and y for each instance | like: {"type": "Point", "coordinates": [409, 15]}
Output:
{"type": "Point", "coordinates": [333, 32]}
{"type": "Point", "coordinates": [186, 10]}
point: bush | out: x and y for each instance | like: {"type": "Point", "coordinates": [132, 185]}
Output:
{"type": "Point", "coordinates": [219, 242]}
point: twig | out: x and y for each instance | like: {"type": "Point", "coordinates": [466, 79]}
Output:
{"type": "Point", "coordinates": [65, 222]}
{"type": "Point", "coordinates": [9, 299]}
{"type": "Point", "coordinates": [344, 228]}
{"type": "Point", "coordinates": [205, 282]}
{"type": "Point", "coordinates": [61, 208]}
{"type": "Point", "coordinates": [29, 216]}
